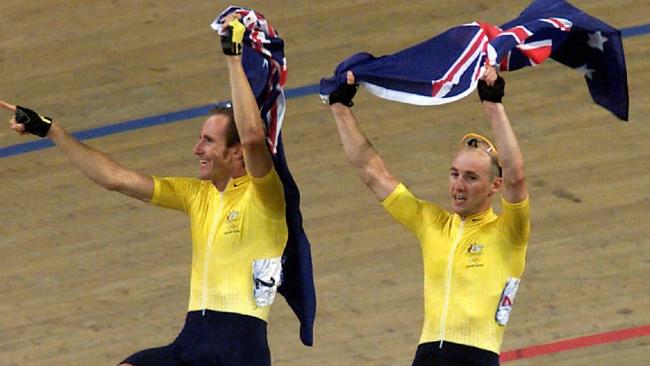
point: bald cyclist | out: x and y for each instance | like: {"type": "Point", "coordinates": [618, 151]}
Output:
{"type": "Point", "coordinates": [473, 259]}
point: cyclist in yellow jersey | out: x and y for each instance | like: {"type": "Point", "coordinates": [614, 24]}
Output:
{"type": "Point", "coordinates": [473, 259]}
{"type": "Point", "coordinates": [237, 214]}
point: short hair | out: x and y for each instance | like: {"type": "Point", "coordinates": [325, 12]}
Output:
{"type": "Point", "coordinates": [483, 144]}
{"type": "Point", "coordinates": [225, 109]}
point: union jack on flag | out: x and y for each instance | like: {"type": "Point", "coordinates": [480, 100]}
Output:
{"type": "Point", "coordinates": [447, 67]}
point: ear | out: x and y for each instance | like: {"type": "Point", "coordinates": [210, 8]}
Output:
{"type": "Point", "coordinates": [238, 152]}
{"type": "Point", "coordinates": [495, 186]}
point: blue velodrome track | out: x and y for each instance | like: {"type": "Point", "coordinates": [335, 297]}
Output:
{"type": "Point", "coordinates": [192, 113]}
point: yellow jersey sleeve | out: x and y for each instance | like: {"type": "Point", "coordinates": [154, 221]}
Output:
{"type": "Point", "coordinates": [410, 211]}
{"type": "Point", "coordinates": [515, 221]}
{"type": "Point", "coordinates": [267, 192]}
{"type": "Point", "coordinates": [175, 192]}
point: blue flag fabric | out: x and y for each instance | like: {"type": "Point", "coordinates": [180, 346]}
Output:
{"type": "Point", "coordinates": [266, 69]}
{"type": "Point", "coordinates": [447, 67]}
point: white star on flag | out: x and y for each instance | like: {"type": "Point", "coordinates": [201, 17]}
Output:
{"type": "Point", "coordinates": [587, 72]}
{"type": "Point", "coordinates": [596, 40]}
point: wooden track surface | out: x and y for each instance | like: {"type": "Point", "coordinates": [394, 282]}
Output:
{"type": "Point", "coordinates": [88, 277]}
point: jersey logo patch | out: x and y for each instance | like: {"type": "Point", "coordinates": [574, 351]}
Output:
{"type": "Point", "coordinates": [474, 254]}
{"type": "Point", "coordinates": [232, 222]}
{"type": "Point", "coordinates": [475, 249]}
{"type": "Point", "coordinates": [233, 215]}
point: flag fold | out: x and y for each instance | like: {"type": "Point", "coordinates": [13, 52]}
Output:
{"type": "Point", "coordinates": [448, 66]}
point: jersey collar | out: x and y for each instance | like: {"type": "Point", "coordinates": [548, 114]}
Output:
{"type": "Point", "coordinates": [479, 218]}
{"type": "Point", "coordinates": [237, 183]}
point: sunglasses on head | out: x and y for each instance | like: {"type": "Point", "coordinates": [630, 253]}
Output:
{"type": "Point", "coordinates": [477, 141]}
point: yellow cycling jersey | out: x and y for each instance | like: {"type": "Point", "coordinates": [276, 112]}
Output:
{"type": "Point", "coordinates": [467, 264]}
{"type": "Point", "coordinates": [232, 231]}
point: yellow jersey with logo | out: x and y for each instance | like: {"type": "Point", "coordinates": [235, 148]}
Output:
{"type": "Point", "coordinates": [230, 231]}
{"type": "Point", "coordinates": [467, 264]}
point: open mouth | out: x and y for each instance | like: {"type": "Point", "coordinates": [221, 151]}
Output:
{"type": "Point", "coordinates": [459, 197]}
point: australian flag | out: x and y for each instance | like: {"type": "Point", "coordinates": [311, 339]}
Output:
{"type": "Point", "coordinates": [447, 67]}
{"type": "Point", "coordinates": [266, 69]}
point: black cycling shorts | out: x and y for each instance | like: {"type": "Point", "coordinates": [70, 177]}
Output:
{"type": "Point", "coordinates": [216, 339]}
{"type": "Point", "coordinates": [453, 354]}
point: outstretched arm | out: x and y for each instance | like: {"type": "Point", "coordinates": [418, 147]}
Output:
{"type": "Point", "coordinates": [510, 157]}
{"type": "Point", "coordinates": [257, 157]}
{"type": "Point", "coordinates": [364, 157]}
{"type": "Point", "coordinates": [93, 163]}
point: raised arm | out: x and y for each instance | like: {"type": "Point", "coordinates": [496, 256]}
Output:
{"type": "Point", "coordinates": [510, 157]}
{"type": "Point", "coordinates": [257, 157]}
{"type": "Point", "coordinates": [359, 151]}
{"type": "Point", "coordinates": [91, 162]}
